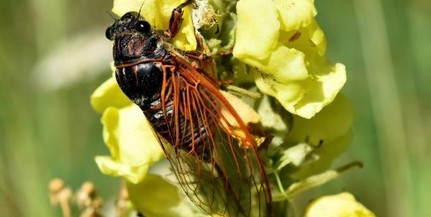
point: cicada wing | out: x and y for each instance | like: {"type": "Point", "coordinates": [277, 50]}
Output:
{"type": "Point", "coordinates": [221, 186]}
{"type": "Point", "coordinates": [220, 172]}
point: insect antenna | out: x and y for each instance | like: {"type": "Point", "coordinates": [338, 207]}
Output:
{"type": "Point", "coordinates": [111, 15]}
{"type": "Point", "coordinates": [140, 8]}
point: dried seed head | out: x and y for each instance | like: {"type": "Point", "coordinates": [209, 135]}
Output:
{"type": "Point", "coordinates": [124, 194]}
{"type": "Point", "coordinates": [58, 193]}
{"type": "Point", "coordinates": [86, 194]}
{"type": "Point", "coordinates": [56, 185]}
{"type": "Point", "coordinates": [88, 188]}
{"type": "Point", "coordinates": [65, 195]}
{"type": "Point", "coordinates": [90, 212]}
{"type": "Point", "coordinates": [204, 15]}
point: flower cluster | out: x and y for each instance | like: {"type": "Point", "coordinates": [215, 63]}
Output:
{"type": "Point", "coordinates": [277, 45]}
{"type": "Point", "coordinates": [287, 47]}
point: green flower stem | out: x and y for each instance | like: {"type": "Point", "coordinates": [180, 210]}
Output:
{"type": "Point", "coordinates": [281, 188]}
{"type": "Point", "coordinates": [242, 91]}
{"type": "Point", "coordinates": [320, 179]}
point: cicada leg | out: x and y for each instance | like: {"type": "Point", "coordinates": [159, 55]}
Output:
{"type": "Point", "coordinates": [176, 19]}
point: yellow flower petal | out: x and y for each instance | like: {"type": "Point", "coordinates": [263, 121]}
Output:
{"type": "Point", "coordinates": [155, 196]}
{"type": "Point", "coordinates": [257, 29]}
{"type": "Point", "coordinates": [332, 127]}
{"type": "Point", "coordinates": [247, 114]}
{"type": "Point", "coordinates": [322, 91]}
{"type": "Point", "coordinates": [294, 14]}
{"type": "Point", "coordinates": [107, 95]}
{"type": "Point", "coordinates": [132, 142]}
{"type": "Point", "coordinates": [334, 121]}
{"type": "Point", "coordinates": [287, 87]}
{"type": "Point", "coordinates": [158, 13]}
{"type": "Point", "coordinates": [340, 205]}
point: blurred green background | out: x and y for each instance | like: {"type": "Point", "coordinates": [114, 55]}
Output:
{"type": "Point", "coordinates": [53, 54]}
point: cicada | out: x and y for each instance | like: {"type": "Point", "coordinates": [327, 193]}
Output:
{"type": "Point", "coordinates": [178, 92]}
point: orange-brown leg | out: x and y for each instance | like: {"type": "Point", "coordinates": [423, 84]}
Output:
{"type": "Point", "coordinates": [176, 19]}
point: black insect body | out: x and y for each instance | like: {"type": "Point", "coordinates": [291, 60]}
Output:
{"type": "Point", "coordinates": [135, 49]}
{"type": "Point", "coordinates": [183, 103]}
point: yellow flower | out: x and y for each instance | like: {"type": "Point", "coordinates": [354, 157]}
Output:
{"type": "Point", "coordinates": [154, 196]}
{"type": "Point", "coordinates": [132, 142]}
{"type": "Point", "coordinates": [283, 41]}
{"type": "Point", "coordinates": [329, 132]}
{"type": "Point", "coordinates": [158, 13]}
{"type": "Point", "coordinates": [340, 205]}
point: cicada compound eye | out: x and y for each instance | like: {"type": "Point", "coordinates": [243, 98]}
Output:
{"type": "Point", "coordinates": [108, 33]}
{"type": "Point", "coordinates": [143, 26]}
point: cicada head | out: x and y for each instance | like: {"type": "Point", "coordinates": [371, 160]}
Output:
{"type": "Point", "coordinates": [129, 23]}
{"type": "Point", "coordinates": [134, 39]}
